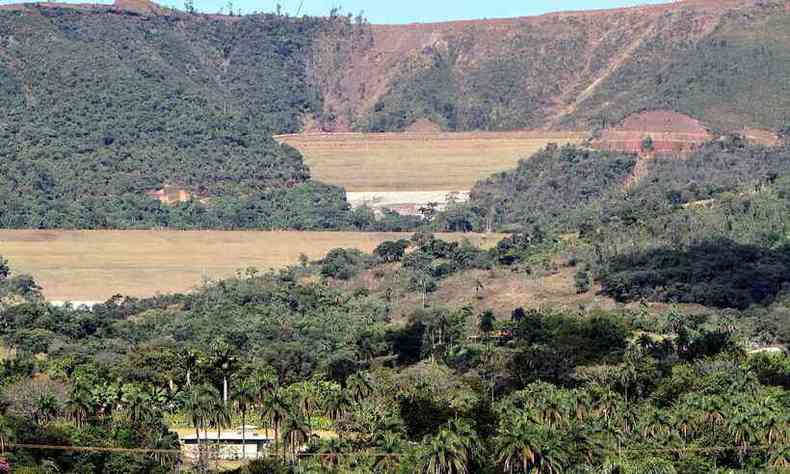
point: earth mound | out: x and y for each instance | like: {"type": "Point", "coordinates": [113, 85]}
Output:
{"type": "Point", "coordinates": [424, 126]}
{"type": "Point", "coordinates": [670, 133]}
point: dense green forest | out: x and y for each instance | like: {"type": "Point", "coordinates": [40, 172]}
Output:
{"type": "Point", "coordinates": [551, 188]}
{"type": "Point", "coordinates": [445, 389]}
{"type": "Point", "coordinates": [572, 188]}
{"type": "Point", "coordinates": [114, 105]}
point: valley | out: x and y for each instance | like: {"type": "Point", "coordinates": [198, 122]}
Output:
{"type": "Point", "coordinates": [407, 171]}
{"type": "Point", "coordinates": [261, 243]}
{"type": "Point", "coordinates": [395, 162]}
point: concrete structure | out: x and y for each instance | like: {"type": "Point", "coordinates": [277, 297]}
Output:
{"type": "Point", "coordinates": [407, 203]}
{"type": "Point", "coordinates": [243, 443]}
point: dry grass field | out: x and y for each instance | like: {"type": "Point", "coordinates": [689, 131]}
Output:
{"type": "Point", "coordinates": [95, 265]}
{"type": "Point", "coordinates": [417, 161]}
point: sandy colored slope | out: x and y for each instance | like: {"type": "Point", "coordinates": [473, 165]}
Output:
{"type": "Point", "coordinates": [417, 162]}
{"type": "Point", "coordinates": [95, 265]}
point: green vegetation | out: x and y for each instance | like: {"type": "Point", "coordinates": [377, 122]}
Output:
{"type": "Point", "coordinates": [734, 77]}
{"type": "Point", "coordinates": [710, 229]}
{"type": "Point", "coordinates": [372, 363]}
{"type": "Point", "coordinates": [731, 77]}
{"type": "Point", "coordinates": [713, 273]}
{"type": "Point", "coordinates": [422, 92]}
{"type": "Point", "coordinates": [113, 106]}
{"type": "Point", "coordinates": [548, 189]}
{"type": "Point", "coordinates": [445, 389]}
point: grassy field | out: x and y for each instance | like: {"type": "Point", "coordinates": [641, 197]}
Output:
{"type": "Point", "coordinates": [95, 265]}
{"type": "Point", "coordinates": [417, 162]}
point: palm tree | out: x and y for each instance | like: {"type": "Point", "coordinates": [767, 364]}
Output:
{"type": "Point", "coordinates": [743, 430]}
{"type": "Point", "coordinates": [684, 423]}
{"type": "Point", "coordinates": [359, 386]}
{"type": "Point", "coordinates": [389, 447]}
{"type": "Point", "coordinates": [307, 393]}
{"type": "Point", "coordinates": [264, 382]}
{"type": "Point", "coordinates": [294, 434]}
{"type": "Point", "coordinates": [46, 407]}
{"type": "Point", "coordinates": [329, 453]}
{"type": "Point", "coordinates": [244, 397]}
{"type": "Point", "coordinates": [336, 406]}
{"type": "Point", "coordinates": [223, 360]}
{"type": "Point", "coordinates": [526, 447]}
{"type": "Point", "coordinates": [655, 424]}
{"type": "Point", "coordinates": [164, 441]}
{"type": "Point", "coordinates": [773, 423]}
{"type": "Point", "coordinates": [187, 360]}
{"type": "Point", "coordinates": [444, 453]}
{"type": "Point", "coordinates": [219, 417]}
{"type": "Point", "coordinates": [198, 403]}
{"type": "Point", "coordinates": [6, 434]}
{"type": "Point", "coordinates": [137, 404]}
{"type": "Point", "coordinates": [275, 407]}
{"type": "Point", "coordinates": [78, 406]}
{"type": "Point", "coordinates": [515, 450]}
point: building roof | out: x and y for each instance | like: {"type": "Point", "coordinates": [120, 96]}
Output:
{"type": "Point", "coordinates": [251, 435]}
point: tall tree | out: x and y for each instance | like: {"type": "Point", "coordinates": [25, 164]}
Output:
{"type": "Point", "coordinates": [187, 360]}
{"type": "Point", "coordinates": [244, 397]}
{"type": "Point", "coordinates": [294, 434]}
{"type": "Point", "coordinates": [198, 403]}
{"type": "Point", "coordinates": [276, 407]}
{"type": "Point", "coordinates": [224, 361]}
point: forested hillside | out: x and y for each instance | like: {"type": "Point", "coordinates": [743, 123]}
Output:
{"type": "Point", "coordinates": [708, 229]}
{"type": "Point", "coordinates": [101, 106]}
{"type": "Point", "coordinates": [104, 106]}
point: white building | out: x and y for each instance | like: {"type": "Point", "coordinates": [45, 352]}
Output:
{"type": "Point", "coordinates": [243, 443]}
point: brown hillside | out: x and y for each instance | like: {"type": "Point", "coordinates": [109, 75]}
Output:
{"type": "Point", "coordinates": [726, 62]}
{"type": "Point", "coordinates": [574, 52]}
{"type": "Point", "coordinates": [672, 133]}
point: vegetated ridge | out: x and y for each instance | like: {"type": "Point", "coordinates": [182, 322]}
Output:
{"type": "Point", "coordinates": [725, 62]}
{"type": "Point", "coordinates": [123, 105]}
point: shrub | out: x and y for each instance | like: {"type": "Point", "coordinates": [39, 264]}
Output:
{"type": "Point", "coordinates": [647, 144]}
{"type": "Point", "coordinates": [343, 264]}
{"type": "Point", "coordinates": [582, 281]}
{"type": "Point", "coordinates": [392, 251]}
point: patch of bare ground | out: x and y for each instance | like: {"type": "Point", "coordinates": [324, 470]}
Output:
{"type": "Point", "coordinates": [761, 137]}
{"type": "Point", "coordinates": [671, 133]}
{"type": "Point", "coordinates": [608, 40]}
{"type": "Point", "coordinates": [502, 291]}
{"type": "Point", "coordinates": [640, 171]}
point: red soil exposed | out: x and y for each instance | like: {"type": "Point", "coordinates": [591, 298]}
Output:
{"type": "Point", "coordinates": [352, 87]}
{"type": "Point", "coordinates": [761, 137]}
{"type": "Point", "coordinates": [671, 132]}
{"type": "Point", "coordinates": [424, 126]}
{"type": "Point", "coordinates": [174, 195]}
